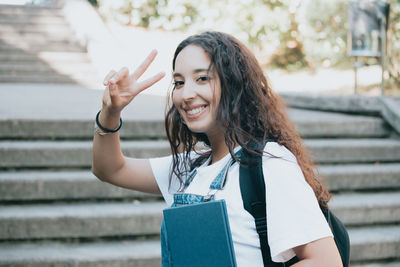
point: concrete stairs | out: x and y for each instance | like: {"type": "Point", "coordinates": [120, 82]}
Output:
{"type": "Point", "coordinates": [37, 45]}
{"type": "Point", "coordinates": [54, 212]}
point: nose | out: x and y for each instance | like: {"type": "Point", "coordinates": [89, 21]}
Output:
{"type": "Point", "coordinates": [189, 91]}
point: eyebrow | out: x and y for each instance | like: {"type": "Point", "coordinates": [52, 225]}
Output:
{"type": "Point", "coordinates": [176, 74]}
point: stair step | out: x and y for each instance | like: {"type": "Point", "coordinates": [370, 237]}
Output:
{"type": "Point", "coordinates": [328, 124]}
{"type": "Point", "coordinates": [78, 153]}
{"type": "Point", "coordinates": [45, 129]}
{"type": "Point", "coordinates": [361, 176]}
{"type": "Point", "coordinates": [30, 10]}
{"type": "Point", "coordinates": [33, 48]}
{"type": "Point", "coordinates": [367, 208]}
{"type": "Point", "coordinates": [58, 57]}
{"type": "Point", "coordinates": [30, 19]}
{"type": "Point", "coordinates": [36, 221]}
{"type": "Point", "coordinates": [368, 243]}
{"type": "Point", "coordinates": [46, 69]}
{"type": "Point", "coordinates": [80, 184]}
{"type": "Point", "coordinates": [69, 153]}
{"type": "Point", "coordinates": [39, 28]}
{"type": "Point", "coordinates": [61, 185]}
{"type": "Point", "coordinates": [374, 243]}
{"type": "Point", "coordinates": [38, 42]}
{"type": "Point", "coordinates": [42, 129]}
{"type": "Point", "coordinates": [77, 220]}
{"type": "Point", "coordinates": [24, 35]}
{"type": "Point", "coordinates": [38, 39]}
{"type": "Point", "coordinates": [354, 150]}
{"type": "Point", "coordinates": [40, 79]}
{"type": "Point", "coordinates": [99, 254]}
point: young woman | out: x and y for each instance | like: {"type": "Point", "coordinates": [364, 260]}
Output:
{"type": "Point", "coordinates": [221, 98]}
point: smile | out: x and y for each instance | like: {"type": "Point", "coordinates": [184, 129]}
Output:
{"type": "Point", "coordinates": [195, 110]}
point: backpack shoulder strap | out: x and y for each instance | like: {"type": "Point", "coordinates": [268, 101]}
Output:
{"type": "Point", "coordinates": [252, 188]}
{"type": "Point", "coordinates": [253, 191]}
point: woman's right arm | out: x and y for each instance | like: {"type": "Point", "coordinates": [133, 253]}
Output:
{"type": "Point", "coordinates": [109, 164]}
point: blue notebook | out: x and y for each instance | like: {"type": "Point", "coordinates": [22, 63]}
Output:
{"type": "Point", "coordinates": [199, 235]}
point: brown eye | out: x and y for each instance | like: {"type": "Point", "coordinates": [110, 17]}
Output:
{"type": "Point", "coordinates": [178, 84]}
{"type": "Point", "coordinates": [203, 78]}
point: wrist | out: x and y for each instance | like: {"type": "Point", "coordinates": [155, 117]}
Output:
{"type": "Point", "coordinates": [107, 121]}
{"type": "Point", "coordinates": [109, 112]}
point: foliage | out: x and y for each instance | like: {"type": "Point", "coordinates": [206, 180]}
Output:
{"type": "Point", "coordinates": [323, 25]}
{"type": "Point", "coordinates": [289, 34]}
{"type": "Point", "coordinates": [290, 55]}
{"type": "Point", "coordinates": [256, 22]}
{"type": "Point", "coordinates": [394, 43]}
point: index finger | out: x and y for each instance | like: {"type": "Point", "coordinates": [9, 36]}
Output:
{"type": "Point", "coordinates": [150, 81]}
{"type": "Point", "coordinates": [145, 64]}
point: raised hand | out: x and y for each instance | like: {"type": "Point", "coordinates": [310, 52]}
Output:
{"type": "Point", "coordinates": [122, 87]}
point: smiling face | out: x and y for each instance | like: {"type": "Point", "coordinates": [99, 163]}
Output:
{"type": "Point", "coordinates": [197, 90]}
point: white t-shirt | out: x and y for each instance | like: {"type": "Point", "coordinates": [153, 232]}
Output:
{"type": "Point", "coordinates": [293, 214]}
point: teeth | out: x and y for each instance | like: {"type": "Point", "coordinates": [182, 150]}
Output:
{"type": "Point", "coordinates": [195, 111]}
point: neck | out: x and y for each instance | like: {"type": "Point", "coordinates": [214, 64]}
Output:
{"type": "Point", "coordinates": [218, 146]}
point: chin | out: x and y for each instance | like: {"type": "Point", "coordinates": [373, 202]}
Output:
{"type": "Point", "coordinates": [197, 128]}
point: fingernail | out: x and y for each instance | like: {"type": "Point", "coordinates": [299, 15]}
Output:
{"type": "Point", "coordinates": [105, 82]}
{"type": "Point", "coordinates": [112, 80]}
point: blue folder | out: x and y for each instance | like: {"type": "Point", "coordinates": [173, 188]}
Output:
{"type": "Point", "coordinates": [199, 235]}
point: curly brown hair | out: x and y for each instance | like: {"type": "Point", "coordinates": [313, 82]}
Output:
{"type": "Point", "coordinates": [249, 112]}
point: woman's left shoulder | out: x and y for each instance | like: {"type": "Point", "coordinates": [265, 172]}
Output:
{"type": "Point", "coordinates": [273, 150]}
{"type": "Point", "coordinates": [280, 165]}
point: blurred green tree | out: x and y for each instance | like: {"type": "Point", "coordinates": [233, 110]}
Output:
{"type": "Point", "coordinates": [323, 25]}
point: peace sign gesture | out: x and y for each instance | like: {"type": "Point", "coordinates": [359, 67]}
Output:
{"type": "Point", "coordinates": [122, 87]}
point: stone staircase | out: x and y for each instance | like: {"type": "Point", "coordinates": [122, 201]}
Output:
{"type": "Point", "coordinates": [54, 212]}
{"type": "Point", "coordinates": [37, 45]}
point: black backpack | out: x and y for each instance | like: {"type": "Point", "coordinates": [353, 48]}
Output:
{"type": "Point", "coordinates": [252, 188]}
